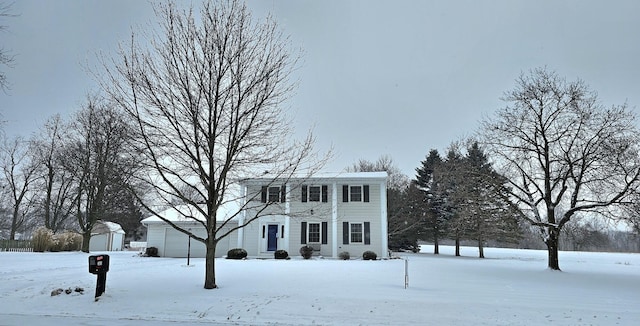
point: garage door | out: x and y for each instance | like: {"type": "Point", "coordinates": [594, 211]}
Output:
{"type": "Point", "coordinates": [176, 244]}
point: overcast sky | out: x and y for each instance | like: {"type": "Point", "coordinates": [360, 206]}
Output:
{"type": "Point", "coordinates": [377, 77]}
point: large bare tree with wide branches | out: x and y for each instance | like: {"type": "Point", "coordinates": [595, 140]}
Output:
{"type": "Point", "coordinates": [565, 154]}
{"type": "Point", "coordinates": [206, 89]}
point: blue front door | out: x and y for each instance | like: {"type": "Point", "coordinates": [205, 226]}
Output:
{"type": "Point", "coordinates": [272, 240]}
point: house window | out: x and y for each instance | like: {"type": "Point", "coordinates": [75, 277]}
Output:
{"type": "Point", "coordinates": [359, 233]}
{"type": "Point", "coordinates": [315, 193]}
{"type": "Point", "coordinates": [356, 233]}
{"type": "Point", "coordinates": [355, 193]}
{"type": "Point", "coordinates": [358, 193]}
{"type": "Point", "coordinates": [274, 194]}
{"type": "Point", "coordinates": [314, 232]}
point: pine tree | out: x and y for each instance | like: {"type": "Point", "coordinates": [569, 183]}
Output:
{"type": "Point", "coordinates": [425, 200]}
{"type": "Point", "coordinates": [478, 201]}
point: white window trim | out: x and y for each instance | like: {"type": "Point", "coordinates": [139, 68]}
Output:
{"type": "Point", "coordinates": [269, 193]}
{"type": "Point", "coordinates": [361, 193]}
{"type": "Point", "coordinates": [309, 232]}
{"type": "Point", "coordinates": [319, 193]}
{"type": "Point", "coordinates": [351, 233]}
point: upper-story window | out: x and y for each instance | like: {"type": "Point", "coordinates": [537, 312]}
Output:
{"type": "Point", "coordinates": [355, 193]}
{"type": "Point", "coordinates": [274, 194]}
{"type": "Point", "coordinates": [314, 193]}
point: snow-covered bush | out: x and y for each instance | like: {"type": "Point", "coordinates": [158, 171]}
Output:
{"type": "Point", "coordinates": [369, 255]}
{"type": "Point", "coordinates": [42, 238]}
{"type": "Point", "coordinates": [306, 252]}
{"type": "Point", "coordinates": [281, 254]}
{"type": "Point", "coordinates": [237, 253]}
{"type": "Point", "coordinates": [344, 255]}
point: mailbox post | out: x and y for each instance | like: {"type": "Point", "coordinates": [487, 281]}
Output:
{"type": "Point", "coordinates": [99, 265]}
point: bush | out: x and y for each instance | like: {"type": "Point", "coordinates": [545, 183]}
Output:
{"type": "Point", "coordinates": [404, 245]}
{"type": "Point", "coordinates": [66, 241]}
{"type": "Point", "coordinates": [306, 252]}
{"type": "Point", "coordinates": [369, 255]}
{"type": "Point", "coordinates": [281, 254]}
{"type": "Point", "coordinates": [237, 253]}
{"type": "Point", "coordinates": [151, 252]}
{"type": "Point", "coordinates": [344, 255]}
{"type": "Point", "coordinates": [42, 238]}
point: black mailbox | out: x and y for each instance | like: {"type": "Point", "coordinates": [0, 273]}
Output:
{"type": "Point", "coordinates": [98, 264]}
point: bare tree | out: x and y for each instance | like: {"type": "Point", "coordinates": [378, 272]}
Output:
{"type": "Point", "coordinates": [563, 153]}
{"type": "Point", "coordinates": [19, 175]}
{"type": "Point", "coordinates": [98, 159]}
{"type": "Point", "coordinates": [55, 201]}
{"type": "Point", "coordinates": [396, 180]}
{"type": "Point", "coordinates": [207, 99]}
{"type": "Point", "coordinates": [6, 59]}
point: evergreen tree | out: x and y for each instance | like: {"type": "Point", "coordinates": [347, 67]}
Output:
{"type": "Point", "coordinates": [476, 199]}
{"type": "Point", "coordinates": [489, 214]}
{"type": "Point", "coordinates": [427, 202]}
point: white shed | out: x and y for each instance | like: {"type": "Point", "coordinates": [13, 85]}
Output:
{"type": "Point", "coordinates": [106, 236]}
{"type": "Point", "coordinates": [173, 243]}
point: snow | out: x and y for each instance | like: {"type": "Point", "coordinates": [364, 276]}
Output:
{"type": "Point", "coordinates": [113, 227]}
{"type": "Point", "coordinates": [509, 287]}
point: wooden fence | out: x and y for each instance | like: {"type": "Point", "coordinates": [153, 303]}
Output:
{"type": "Point", "coordinates": [16, 245]}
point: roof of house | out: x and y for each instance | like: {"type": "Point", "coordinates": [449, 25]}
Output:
{"type": "Point", "coordinates": [102, 227]}
{"type": "Point", "coordinates": [339, 176]}
{"type": "Point", "coordinates": [188, 213]}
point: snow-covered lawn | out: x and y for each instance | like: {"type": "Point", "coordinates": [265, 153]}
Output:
{"type": "Point", "coordinates": [509, 287]}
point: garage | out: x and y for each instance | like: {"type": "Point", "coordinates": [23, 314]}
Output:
{"type": "Point", "coordinates": [173, 243]}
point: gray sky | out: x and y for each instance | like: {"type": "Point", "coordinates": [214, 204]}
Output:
{"type": "Point", "coordinates": [377, 77]}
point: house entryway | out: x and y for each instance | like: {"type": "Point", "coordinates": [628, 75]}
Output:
{"type": "Point", "coordinates": [272, 237]}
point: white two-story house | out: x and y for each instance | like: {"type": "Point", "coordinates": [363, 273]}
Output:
{"type": "Point", "coordinates": [332, 213]}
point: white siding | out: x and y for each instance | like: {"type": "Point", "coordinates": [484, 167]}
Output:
{"type": "Point", "coordinates": [98, 242]}
{"type": "Point", "coordinates": [371, 212]}
{"type": "Point", "coordinates": [155, 237]}
{"type": "Point", "coordinates": [173, 243]}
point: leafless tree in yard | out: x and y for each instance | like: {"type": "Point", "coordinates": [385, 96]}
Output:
{"type": "Point", "coordinates": [99, 161]}
{"type": "Point", "coordinates": [563, 153]}
{"type": "Point", "coordinates": [207, 96]}
{"type": "Point", "coordinates": [6, 59]}
{"type": "Point", "coordinates": [55, 195]}
{"type": "Point", "coordinates": [19, 173]}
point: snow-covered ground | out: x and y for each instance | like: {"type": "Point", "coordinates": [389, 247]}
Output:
{"type": "Point", "coordinates": [509, 287]}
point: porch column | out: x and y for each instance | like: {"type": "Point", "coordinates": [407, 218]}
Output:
{"type": "Point", "coordinates": [241, 217]}
{"type": "Point", "coordinates": [287, 218]}
{"type": "Point", "coordinates": [383, 220]}
{"type": "Point", "coordinates": [334, 220]}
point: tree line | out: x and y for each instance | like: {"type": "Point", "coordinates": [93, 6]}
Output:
{"type": "Point", "coordinates": [554, 162]}
{"type": "Point", "coordinates": [70, 174]}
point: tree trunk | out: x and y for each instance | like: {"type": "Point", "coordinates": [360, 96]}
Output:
{"type": "Point", "coordinates": [480, 248]}
{"type": "Point", "coordinates": [552, 248]}
{"type": "Point", "coordinates": [86, 237]}
{"type": "Point", "coordinates": [436, 247]}
{"type": "Point", "coordinates": [210, 270]}
{"type": "Point", "coordinates": [457, 246]}
{"type": "Point", "coordinates": [14, 223]}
